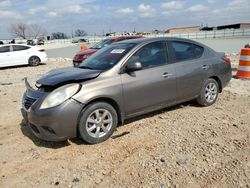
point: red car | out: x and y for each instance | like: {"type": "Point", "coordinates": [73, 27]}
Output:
{"type": "Point", "coordinates": [82, 55]}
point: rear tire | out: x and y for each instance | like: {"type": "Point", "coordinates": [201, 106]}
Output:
{"type": "Point", "coordinates": [98, 122]}
{"type": "Point", "coordinates": [34, 61]}
{"type": "Point", "coordinates": [209, 93]}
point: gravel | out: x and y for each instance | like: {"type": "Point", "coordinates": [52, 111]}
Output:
{"type": "Point", "coordinates": [181, 146]}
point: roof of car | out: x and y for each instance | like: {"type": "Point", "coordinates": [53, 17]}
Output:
{"type": "Point", "coordinates": [152, 39]}
{"type": "Point", "coordinates": [15, 44]}
{"type": "Point", "coordinates": [127, 36]}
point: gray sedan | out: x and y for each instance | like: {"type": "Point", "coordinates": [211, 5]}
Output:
{"type": "Point", "coordinates": [123, 80]}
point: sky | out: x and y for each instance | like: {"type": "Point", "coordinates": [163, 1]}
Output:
{"type": "Point", "coordinates": [102, 16]}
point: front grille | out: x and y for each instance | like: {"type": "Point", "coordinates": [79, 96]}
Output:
{"type": "Point", "coordinates": [27, 102]}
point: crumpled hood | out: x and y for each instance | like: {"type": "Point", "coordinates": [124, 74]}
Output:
{"type": "Point", "coordinates": [67, 75]}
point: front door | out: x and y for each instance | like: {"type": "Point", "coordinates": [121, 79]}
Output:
{"type": "Point", "coordinates": [5, 56]}
{"type": "Point", "coordinates": [20, 54]}
{"type": "Point", "coordinates": [153, 86]}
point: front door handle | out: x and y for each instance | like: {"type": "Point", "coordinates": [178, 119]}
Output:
{"type": "Point", "coordinates": [205, 67]}
{"type": "Point", "coordinates": [166, 75]}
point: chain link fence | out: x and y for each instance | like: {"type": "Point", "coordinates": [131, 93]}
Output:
{"type": "Point", "coordinates": [230, 33]}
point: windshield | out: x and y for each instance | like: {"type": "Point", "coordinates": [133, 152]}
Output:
{"type": "Point", "coordinates": [107, 57]}
{"type": "Point", "coordinates": [102, 44]}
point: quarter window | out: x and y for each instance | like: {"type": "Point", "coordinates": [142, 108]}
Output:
{"type": "Point", "coordinates": [151, 55]}
{"type": "Point", "coordinates": [19, 48]}
{"type": "Point", "coordinates": [4, 49]}
{"type": "Point", "coordinates": [186, 51]}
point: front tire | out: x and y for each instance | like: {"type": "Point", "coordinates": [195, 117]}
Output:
{"type": "Point", "coordinates": [97, 123]}
{"type": "Point", "coordinates": [209, 93]}
{"type": "Point", "coordinates": [34, 61]}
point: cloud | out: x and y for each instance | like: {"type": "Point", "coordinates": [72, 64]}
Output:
{"type": "Point", "coordinates": [238, 3]}
{"type": "Point", "coordinates": [210, 1]}
{"type": "Point", "coordinates": [5, 4]}
{"type": "Point", "coordinates": [235, 11]}
{"type": "Point", "coordinates": [197, 8]}
{"type": "Point", "coordinates": [146, 11]}
{"type": "Point", "coordinates": [125, 11]}
{"type": "Point", "coordinates": [172, 5]}
{"type": "Point", "coordinates": [9, 14]}
{"type": "Point", "coordinates": [167, 13]}
{"type": "Point", "coordinates": [52, 14]}
{"type": "Point", "coordinates": [144, 15]}
{"type": "Point", "coordinates": [75, 9]}
{"type": "Point", "coordinates": [35, 10]}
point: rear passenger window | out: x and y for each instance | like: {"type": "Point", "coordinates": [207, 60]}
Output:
{"type": "Point", "coordinates": [4, 49]}
{"type": "Point", "coordinates": [186, 51]}
{"type": "Point", "coordinates": [19, 48]}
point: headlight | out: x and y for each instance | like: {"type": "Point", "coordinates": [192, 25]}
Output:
{"type": "Point", "coordinates": [60, 95]}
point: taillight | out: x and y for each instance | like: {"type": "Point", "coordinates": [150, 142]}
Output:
{"type": "Point", "coordinates": [41, 50]}
{"type": "Point", "coordinates": [227, 60]}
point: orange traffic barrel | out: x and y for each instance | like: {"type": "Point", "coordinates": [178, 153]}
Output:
{"type": "Point", "coordinates": [83, 47]}
{"type": "Point", "coordinates": [243, 70]}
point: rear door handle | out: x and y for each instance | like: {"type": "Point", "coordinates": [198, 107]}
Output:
{"type": "Point", "coordinates": [205, 67]}
{"type": "Point", "coordinates": [166, 75]}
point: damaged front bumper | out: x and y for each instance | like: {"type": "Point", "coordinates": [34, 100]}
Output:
{"type": "Point", "coordinates": [52, 124]}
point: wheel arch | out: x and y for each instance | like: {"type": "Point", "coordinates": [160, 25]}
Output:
{"type": "Point", "coordinates": [217, 79]}
{"type": "Point", "coordinates": [110, 101]}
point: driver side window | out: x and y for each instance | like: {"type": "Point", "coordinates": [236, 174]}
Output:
{"type": "Point", "coordinates": [151, 55]}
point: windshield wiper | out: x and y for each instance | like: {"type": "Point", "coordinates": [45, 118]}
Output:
{"type": "Point", "coordinates": [86, 67]}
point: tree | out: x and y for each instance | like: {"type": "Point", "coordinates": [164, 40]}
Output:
{"type": "Point", "coordinates": [18, 30]}
{"type": "Point", "coordinates": [27, 31]}
{"type": "Point", "coordinates": [36, 31]}
{"type": "Point", "coordinates": [80, 33]}
{"type": "Point", "coordinates": [59, 35]}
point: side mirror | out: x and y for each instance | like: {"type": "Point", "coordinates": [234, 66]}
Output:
{"type": "Point", "coordinates": [133, 66]}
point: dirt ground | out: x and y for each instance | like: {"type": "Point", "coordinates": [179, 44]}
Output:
{"type": "Point", "coordinates": [182, 146]}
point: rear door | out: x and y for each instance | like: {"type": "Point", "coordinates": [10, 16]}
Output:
{"type": "Point", "coordinates": [153, 86]}
{"type": "Point", "coordinates": [5, 56]}
{"type": "Point", "coordinates": [191, 68]}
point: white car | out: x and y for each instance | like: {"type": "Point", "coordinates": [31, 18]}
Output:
{"type": "Point", "coordinates": [20, 54]}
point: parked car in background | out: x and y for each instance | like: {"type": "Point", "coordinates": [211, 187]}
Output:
{"type": "Point", "coordinates": [120, 81]}
{"type": "Point", "coordinates": [31, 42]}
{"type": "Point", "coordinates": [81, 40]}
{"type": "Point", "coordinates": [17, 54]}
{"type": "Point", "coordinates": [13, 41]}
{"type": "Point", "coordinates": [1, 42]}
{"type": "Point", "coordinates": [40, 42]}
{"type": "Point", "coordinates": [247, 45]}
{"type": "Point", "coordinates": [82, 55]}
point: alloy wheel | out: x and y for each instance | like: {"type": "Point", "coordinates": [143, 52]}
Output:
{"type": "Point", "coordinates": [211, 92]}
{"type": "Point", "coordinates": [34, 61]}
{"type": "Point", "coordinates": [99, 123]}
